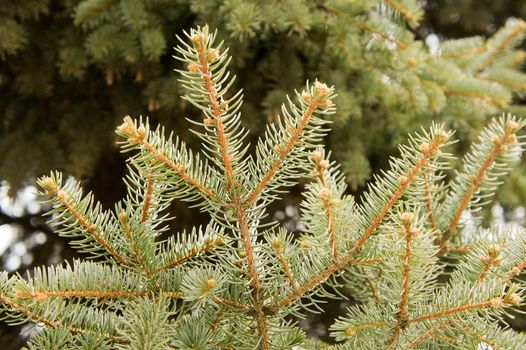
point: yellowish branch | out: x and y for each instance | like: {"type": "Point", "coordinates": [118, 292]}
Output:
{"type": "Point", "coordinates": [63, 197]}
{"type": "Point", "coordinates": [206, 247]}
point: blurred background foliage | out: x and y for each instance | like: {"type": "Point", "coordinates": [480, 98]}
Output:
{"type": "Point", "coordinates": [71, 69]}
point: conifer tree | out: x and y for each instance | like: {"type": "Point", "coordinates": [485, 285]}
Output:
{"type": "Point", "coordinates": [106, 58]}
{"type": "Point", "coordinates": [234, 283]}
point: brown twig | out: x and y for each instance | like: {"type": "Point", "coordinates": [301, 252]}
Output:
{"type": "Point", "coordinates": [204, 61]}
{"type": "Point", "coordinates": [180, 170]}
{"type": "Point", "coordinates": [284, 152]}
{"type": "Point", "coordinates": [207, 246]}
{"type": "Point", "coordinates": [402, 316]}
{"type": "Point", "coordinates": [429, 202]}
{"type": "Point", "coordinates": [496, 302]}
{"type": "Point", "coordinates": [63, 197]}
{"type": "Point", "coordinates": [147, 200]}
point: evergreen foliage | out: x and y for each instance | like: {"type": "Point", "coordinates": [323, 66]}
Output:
{"type": "Point", "coordinates": [235, 283]}
{"type": "Point", "coordinates": [105, 58]}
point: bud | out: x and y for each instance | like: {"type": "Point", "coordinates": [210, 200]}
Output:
{"type": "Point", "coordinates": [138, 76]}
{"type": "Point", "coordinates": [407, 218]}
{"type": "Point", "coordinates": [127, 127]}
{"type": "Point", "coordinates": [305, 96]}
{"type": "Point", "coordinates": [211, 283]}
{"type": "Point", "coordinates": [494, 250]}
{"type": "Point", "coordinates": [110, 77]}
{"type": "Point", "coordinates": [212, 55]}
{"type": "Point", "coordinates": [325, 193]}
{"type": "Point", "coordinates": [412, 61]}
{"type": "Point", "coordinates": [403, 180]}
{"type": "Point", "coordinates": [41, 296]}
{"type": "Point", "coordinates": [208, 121]}
{"type": "Point", "coordinates": [350, 331]}
{"type": "Point", "coordinates": [123, 218]}
{"type": "Point", "coordinates": [424, 147]}
{"type": "Point", "coordinates": [276, 242]}
{"type": "Point", "coordinates": [141, 132]}
{"type": "Point", "coordinates": [316, 156]}
{"type": "Point", "coordinates": [197, 38]}
{"type": "Point", "coordinates": [515, 271]}
{"type": "Point", "coordinates": [335, 201]}
{"type": "Point", "coordinates": [441, 136]}
{"type": "Point", "coordinates": [193, 68]}
{"type": "Point", "coordinates": [512, 138]}
{"type": "Point", "coordinates": [324, 164]}
{"type": "Point", "coordinates": [417, 234]}
{"type": "Point", "coordinates": [305, 243]}
{"type": "Point", "coordinates": [220, 240]}
{"type": "Point", "coordinates": [321, 89]}
{"type": "Point", "coordinates": [278, 149]}
{"type": "Point", "coordinates": [62, 195]}
{"type": "Point", "coordinates": [512, 125]}
{"type": "Point", "coordinates": [496, 140]}
{"type": "Point", "coordinates": [513, 299]}
{"type": "Point", "coordinates": [48, 184]}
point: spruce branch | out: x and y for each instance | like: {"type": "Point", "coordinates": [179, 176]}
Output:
{"type": "Point", "coordinates": [300, 126]}
{"type": "Point", "coordinates": [510, 35]}
{"type": "Point", "coordinates": [147, 199]}
{"type": "Point", "coordinates": [89, 218]}
{"type": "Point", "coordinates": [186, 165]}
{"type": "Point", "coordinates": [402, 315]}
{"type": "Point", "coordinates": [394, 186]}
{"type": "Point", "coordinates": [486, 162]}
{"type": "Point", "coordinates": [403, 7]}
{"type": "Point", "coordinates": [512, 299]}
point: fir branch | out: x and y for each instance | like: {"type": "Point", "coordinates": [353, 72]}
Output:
{"type": "Point", "coordinates": [328, 201]}
{"type": "Point", "coordinates": [137, 136]}
{"type": "Point", "coordinates": [510, 37]}
{"type": "Point", "coordinates": [457, 92]}
{"type": "Point", "coordinates": [317, 99]}
{"type": "Point", "coordinates": [428, 151]}
{"type": "Point", "coordinates": [257, 292]}
{"type": "Point", "coordinates": [276, 243]}
{"type": "Point", "coordinates": [147, 199]}
{"type": "Point", "coordinates": [355, 329]}
{"type": "Point", "coordinates": [493, 259]}
{"type": "Point", "coordinates": [204, 59]}
{"type": "Point", "coordinates": [500, 140]}
{"type": "Point", "coordinates": [406, 13]}
{"type": "Point", "coordinates": [43, 295]}
{"type": "Point", "coordinates": [429, 201]}
{"type": "Point", "coordinates": [25, 311]}
{"type": "Point", "coordinates": [402, 315]}
{"type": "Point", "coordinates": [479, 336]}
{"type": "Point", "coordinates": [34, 316]}
{"type": "Point", "coordinates": [429, 334]}
{"type": "Point", "coordinates": [207, 246]}
{"type": "Point", "coordinates": [471, 51]}
{"type": "Point", "coordinates": [123, 218]}
{"type": "Point", "coordinates": [52, 186]}
{"type": "Point", "coordinates": [492, 303]}
{"type": "Point", "coordinates": [385, 36]}
{"type": "Point", "coordinates": [372, 287]}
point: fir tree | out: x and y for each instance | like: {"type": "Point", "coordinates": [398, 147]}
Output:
{"type": "Point", "coordinates": [235, 283]}
{"type": "Point", "coordinates": [66, 60]}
